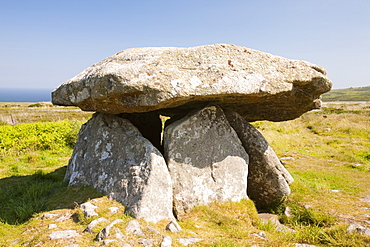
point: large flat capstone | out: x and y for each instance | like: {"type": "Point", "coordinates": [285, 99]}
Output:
{"type": "Point", "coordinates": [112, 156]}
{"type": "Point", "coordinates": [257, 85]}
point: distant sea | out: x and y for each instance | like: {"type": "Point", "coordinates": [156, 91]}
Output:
{"type": "Point", "coordinates": [25, 95]}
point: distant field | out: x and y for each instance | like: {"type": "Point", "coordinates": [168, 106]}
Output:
{"type": "Point", "coordinates": [23, 112]}
{"type": "Point", "coordinates": [348, 94]}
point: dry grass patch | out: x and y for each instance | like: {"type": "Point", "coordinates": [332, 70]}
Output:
{"type": "Point", "coordinates": [18, 113]}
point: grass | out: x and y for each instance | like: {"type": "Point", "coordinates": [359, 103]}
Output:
{"type": "Point", "coordinates": [17, 113]}
{"type": "Point", "coordinates": [330, 165]}
{"type": "Point", "coordinates": [348, 94]}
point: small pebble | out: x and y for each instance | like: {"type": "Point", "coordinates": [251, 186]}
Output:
{"type": "Point", "coordinates": [166, 241]}
{"type": "Point", "coordinates": [173, 226]}
{"type": "Point", "coordinates": [134, 227]}
{"type": "Point", "coordinates": [52, 226]}
{"type": "Point", "coordinates": [188, 241]}
{"type": "Point", "coordinates": [113, 210]}
{"type": "Point", "coordinates": [108, 241]}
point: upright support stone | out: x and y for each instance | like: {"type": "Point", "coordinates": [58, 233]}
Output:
{"type": "Point", "coordinates": [112, 156]}
{"type": "Point", "coordinates": [206, 160]}
{"type": "Point", "coordinates": [268, 180]}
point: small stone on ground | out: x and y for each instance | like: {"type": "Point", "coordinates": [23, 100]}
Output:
{"type": "Point", "coordinates": [188, 241]}
{"type": "Point", "coordinates": [134, 227]}
{"type": "Point", "coordinates": [64, 234]}
{"type": "Point", "coordinates": [173, 226]}
{"type": "Point", "coordinates": [166, 241]}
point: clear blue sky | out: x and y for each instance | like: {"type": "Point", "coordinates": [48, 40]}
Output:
{"type": "Point", "coordinates": [45, 43]}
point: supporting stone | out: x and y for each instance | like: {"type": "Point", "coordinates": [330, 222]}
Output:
{"type": "Point", "coordinates": [268, 180]}
{"type": "Point", "coordinates": [112, 156]}
{"type": "Point", "coordinates": [206, 160]}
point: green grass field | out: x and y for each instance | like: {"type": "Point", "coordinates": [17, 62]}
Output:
{"type": "Point", "coordinates": [329, 154]}
{"type": "Point", "coordinates": [348, 94]}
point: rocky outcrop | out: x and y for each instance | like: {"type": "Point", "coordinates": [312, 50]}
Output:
{"type": "Point", "coordinates": [257, 85]}
{"type": "Point", "coordinates": [268, 180]}
{"type": "Point", "coordinates": [112, 156]}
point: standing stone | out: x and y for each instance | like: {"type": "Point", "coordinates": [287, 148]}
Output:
{"type": "Point", "coordinates": [112, 156]}
{"type": "Point", "coordinates": [268, 180]}
{"type": "Point", "coordinates": [206, 160]}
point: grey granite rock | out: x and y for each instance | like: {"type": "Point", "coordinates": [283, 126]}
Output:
{"type": "Point", "coordinates": [188, 241]}
{"type": "Point", "coordinates": [206, 160]}
{"type": "Point", "coordinates": [356, 228]}
{"type": "Point", "coordinates": [112, 156]}
{"type": "Point", "coordinates": [257, 85]}
{"type": "Point", "coordinates": [105, 232]}
{"type": "Point", "coordinates": [268, 180]}
{"type": "Point", "coordinates": [94, 223]}
{"type": "Point", "coordinates": [173, 226]}
{"type": "Point", "coordinates": [88, 209]}
{"type": "Point", "coordinates": [65, 234]}
{"type": "Point", "coordinates": [134, 227]}
{"type": "Point", "coordinates": [166, 241]}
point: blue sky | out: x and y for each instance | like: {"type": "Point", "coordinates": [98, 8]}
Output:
{"type": "Point", "coordinates": [44, 43]}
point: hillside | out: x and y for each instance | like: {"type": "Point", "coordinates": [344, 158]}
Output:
{"type": "Point", "coordinates": [348, 94]}
{"type": "Point", "coordinates": [326, 151]}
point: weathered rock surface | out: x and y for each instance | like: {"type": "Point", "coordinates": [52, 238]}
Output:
{"type": "Point", "coordinates": [173, 226]}
{"type": "Point", "coordinates": [105, 232]}
{"type": "Point", "coordinates": [146, 242]}
{"type": "Point", "coordinates": [166, 241]}
{"type": "Point", "coordinates": [206, 160]}
{"type": "Point", "coordinates": [94, 223]}
{"type": "Point", "coordinates": [358, 229]}
{"type": "Point", "coordinates": [366, 198]}
{"type": "Point", "coordinates": [112, 156]}
{"type": "Point", "coordinates": [113, 210]}
{"type": "Point", "coordinates": [188, 241]}
{"type": "Point", "coordinates": [274, 220]}
{"type": "Point", "coordinates": [257, 85]}
{"type": "Point", "coordinates": [134, 227]}
{"type": "Point", "coordinates": [52, 226]}
{"type": "Point", "coordinates": [64, 234]}
{"type": "Point", "coordinates": [59, 217]}
{"type": "Point", "coordinates": [88, 209]}
{"type": "Point", "coordinates": [268, 180]}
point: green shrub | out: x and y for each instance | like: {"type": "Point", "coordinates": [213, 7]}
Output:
{"type": "Point", "coordinates": [38, 136]}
